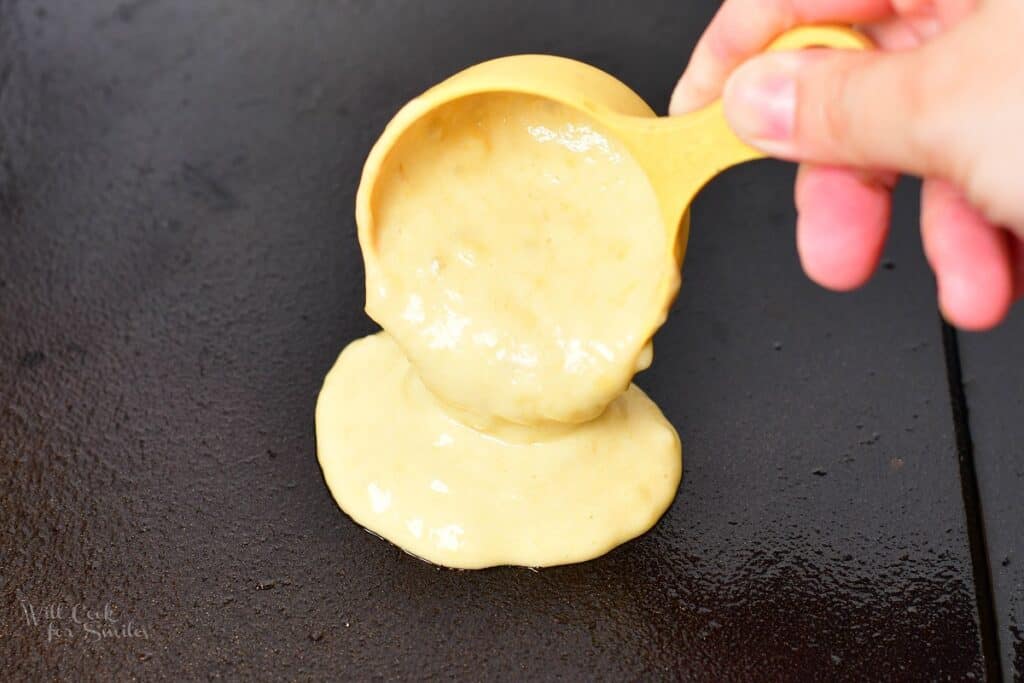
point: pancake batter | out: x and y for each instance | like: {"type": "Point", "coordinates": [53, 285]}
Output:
{"type": "Point", "coordinates": [517, 261]}
{"type": "Point", "coordinates": [403, 468]}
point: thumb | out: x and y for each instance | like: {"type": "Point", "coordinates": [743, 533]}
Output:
{"type": "Point", "coordinates": [866, 109]}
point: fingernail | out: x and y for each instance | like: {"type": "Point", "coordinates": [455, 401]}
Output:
{"type": "Point", "coordinates": [760, 100]}
{"type": "Point", "coordinates": [681, 101]}
{"type": "Point", "coordinates": [689, 95]}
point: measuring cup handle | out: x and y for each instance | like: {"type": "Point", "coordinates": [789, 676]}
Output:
{"type": "Point", "coordinates": [689, 150]}
{"type": "Point", "coordinates": [727, 149]}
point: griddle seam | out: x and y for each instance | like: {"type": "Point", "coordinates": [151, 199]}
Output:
{"type": "Point", "coordinates": [973, 512]}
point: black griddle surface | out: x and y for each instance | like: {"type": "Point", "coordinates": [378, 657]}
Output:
{"type": "Point", "coordinates": [179, 269]}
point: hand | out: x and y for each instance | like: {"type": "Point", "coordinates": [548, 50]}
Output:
{"type": "Point", "coordinates": [943, 98]}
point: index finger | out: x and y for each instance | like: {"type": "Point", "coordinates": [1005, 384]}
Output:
{"type": "Point", "coordinates": [743, 28]}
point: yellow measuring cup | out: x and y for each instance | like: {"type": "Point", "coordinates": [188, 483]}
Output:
{"type": "Point", "coordinates": [680, 154]}
{"type": "Point", "coordinates": [567, 362]}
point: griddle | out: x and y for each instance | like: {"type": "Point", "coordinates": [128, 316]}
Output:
{"type": "Point", "coordinates": [179, 269]}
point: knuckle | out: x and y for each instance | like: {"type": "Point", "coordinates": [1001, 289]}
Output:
{"type": "Point", "coordinates": [835, 108]}
{"type": "Point", "coordinates": [874, 109]}
{"type": "Point", "coordinates": [917, 91]}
